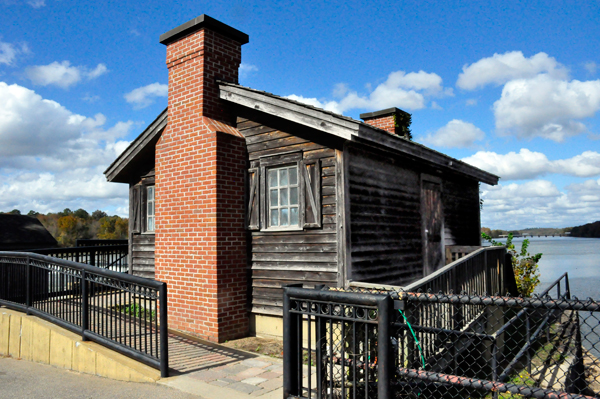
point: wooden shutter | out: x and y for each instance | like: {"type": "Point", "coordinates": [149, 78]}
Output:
{"type": "Point", "coordinates": [135, 208]}
{"type": "Point", "coordinates": [253, 211]}
{"type": "Point", "coordinates": [311, 176]}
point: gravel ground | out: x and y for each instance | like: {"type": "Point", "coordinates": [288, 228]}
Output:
{"type": "Point", "coordinates": [23, 379]}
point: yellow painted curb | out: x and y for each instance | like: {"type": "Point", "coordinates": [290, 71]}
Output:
{"type": "Point", "coordinates": [31, 338]}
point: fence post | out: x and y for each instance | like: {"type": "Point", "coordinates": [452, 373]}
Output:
{"type": "Point", "coordinates": [384, 348]}
{"type": "Point", "coordinates": [28, 290]}
{"type": "Point", "coordinates": [84, 306]}
{"type": "Point", "coordinates": [164, 332]}
{"type": "Point", "coordinates": [93, 257]}
{"type": "Point", "coordinates": [290, 346]}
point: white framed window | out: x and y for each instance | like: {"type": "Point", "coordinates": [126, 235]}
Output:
{"type": "Point", "coordinates": [150, 208]}
{"type": "Point", "coordinates": [284, 197]}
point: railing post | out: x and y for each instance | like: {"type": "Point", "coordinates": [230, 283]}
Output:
{"type": "Point", "coordinates": [384, 348]}
{"type": "Point", "coordinates": [93, 257]}
{"type": "Point", "coordinates": [84, 305]}
{"type": "Point", "coordinates": [28, 290]}
{"type": "Point", "coordinates": [164, 332]}
{"type": "Point", "coordinates": [290, 345]}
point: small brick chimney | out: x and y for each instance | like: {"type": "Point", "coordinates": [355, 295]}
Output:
{"type": "Point", "coordinates": [393, 120]}
{"type": "Point", "coordinates": [200, 246]}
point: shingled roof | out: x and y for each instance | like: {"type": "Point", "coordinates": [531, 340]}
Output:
{"type": "Point", "coordinates": [23, 232]}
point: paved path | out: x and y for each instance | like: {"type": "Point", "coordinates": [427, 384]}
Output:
{"type": "Point", "coordinates": [20, 379]}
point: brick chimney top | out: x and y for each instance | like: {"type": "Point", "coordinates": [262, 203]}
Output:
{"type": "Point", "coordinates": [393, 120]}
{"type": "Point", "coordinates": [203, 21]}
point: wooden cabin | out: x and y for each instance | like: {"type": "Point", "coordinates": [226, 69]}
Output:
{"type": "Point", "coordinates": [326, 199]}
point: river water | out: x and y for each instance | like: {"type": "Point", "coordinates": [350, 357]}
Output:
{"type": "Point", "coordinates": [580, 257]}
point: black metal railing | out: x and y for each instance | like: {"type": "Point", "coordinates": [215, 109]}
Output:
{"type": "Point", "coordinates": [379, 345]}
{"type": "Point", "coordinates": [123, 312]}
{"type": "Point", "coordinates": [93, 242]}
{"type": "Point", "coordinates": [111, 257]}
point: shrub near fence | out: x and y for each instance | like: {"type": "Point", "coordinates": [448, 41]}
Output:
{"type": "Point", "coordinates": [402, 344]}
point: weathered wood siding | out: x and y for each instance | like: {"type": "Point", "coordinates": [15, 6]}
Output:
{"type": "Point", "coordinates": [142, 255]}
{"type": "Point", "coordinates": [280, 258]}
{"type": "Point", "coordinates": [385, 218]}
{"type": "Point", "coordinates": [460, 198]}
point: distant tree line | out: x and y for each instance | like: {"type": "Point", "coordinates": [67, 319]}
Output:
{"type": "Point", "coordinates": [534, 231]}
{"type": "Point", "coordinates": [587, 230]}
{"type": "Point", "coordinates": [68, 226]}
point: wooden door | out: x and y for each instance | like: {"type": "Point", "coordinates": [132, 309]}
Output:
{"type": "Point", "coordinates": [433, 224]}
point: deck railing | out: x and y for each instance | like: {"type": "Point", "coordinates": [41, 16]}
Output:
{"type": "Point", "coordinates": [111, 257]}
{"type": "Point", "coordinates": [92, 242]}
{"type": "Point", "coordinates": [123, 312]}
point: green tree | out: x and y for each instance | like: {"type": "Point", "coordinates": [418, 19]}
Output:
{"type": "Point", "coordinates": [98, 214]}
{"type": "Point", "coordinates": [525, 265]}
{"type": "Point", "coordinates": [112, 228]}
{"type": "Point", "coordinates": [81, 214]}
{"type": "Point", "coordinates": [15, 212]}
{"type": "Point", "coordinates": [32, 213]}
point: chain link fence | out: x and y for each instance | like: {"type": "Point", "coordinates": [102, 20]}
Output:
{"type": "Point", "coordinates": [396, 344]}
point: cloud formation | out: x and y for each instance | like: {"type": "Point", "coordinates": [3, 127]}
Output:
{"type": "Point", "coordinates": [51, 157]}
{"type": "Point", "coordinates": [146, 95]}
{"type": "Point", "coordinates": [403, 90]}
{"type": "Point", "coordinates": [528, 164]}
{"type": "Point", "coordinates": [246, 69]}
{"type": "Point", "coordinates": [546, 107]}
{"type": "Point", "coordinates": [62, 74]}
{"type": "Point", "coordinates": [501, 68]}
{"type": "Point", "coordinates": [539, 203]}
{"type": "Point", "coordinates": [9, 52]}
{"type": "Point", "coordinates": [456, 134]}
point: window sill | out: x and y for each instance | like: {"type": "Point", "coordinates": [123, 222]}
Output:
{"type": "Point", "coordinates": [276, 229]}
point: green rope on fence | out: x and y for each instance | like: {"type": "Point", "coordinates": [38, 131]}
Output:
{"type": "Point", "coordinates": [415, 337]}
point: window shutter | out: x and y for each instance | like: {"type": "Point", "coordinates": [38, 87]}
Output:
{"type": "Point", "coordinates": [253, 212]}
{"type": "Point", "coordinates": [311, 175]}
{"type": "Point", "coordinates": [135, 205]}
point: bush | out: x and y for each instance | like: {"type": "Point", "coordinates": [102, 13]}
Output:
{"type": "Point", "coordinates": [525, 265]}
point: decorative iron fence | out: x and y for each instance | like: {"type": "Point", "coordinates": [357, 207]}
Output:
{"type": "Point", "coordinates": [111, 257]}
{"type": "Point", "coordinates": [419, 345]}
{"type": "Point", "coordinates": [123, 312]}
{"type": "Point", "coordinates": [93, 242]}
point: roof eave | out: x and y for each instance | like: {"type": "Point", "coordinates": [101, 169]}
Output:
{"type": "Point", "coordinates": [115, 169]}
{"type": "Point", "coordinates": [345, 128]}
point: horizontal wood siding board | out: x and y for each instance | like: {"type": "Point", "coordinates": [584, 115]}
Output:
{"type": "Point", "coordinates": [385, 218]}
{"type": "Point", "coordinates": [293, 238]}
{"type": "Point", "coordinates": [142, 254]}
{"type": "Point", "coordinates": [261, 138]}
{"type": "Point", "coordinates": [296, 275]}
{"type": "Point", "coordinates": [294, 248]}
{"type": "Point", "coordinates": [293, 147]}
{"type": "Point", "coordinates": [294, 257]}
{"type": "Point", "coordinates": [297, 266]}
{"type": "Point", "coordinates": [280, 283]}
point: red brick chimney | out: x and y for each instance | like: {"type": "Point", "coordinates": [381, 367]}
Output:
{"type": "Point", "coordinates": [393, 120]}
{"type": "Point", "coordinates": [201, 160]}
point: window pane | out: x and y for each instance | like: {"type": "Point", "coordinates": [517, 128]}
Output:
{"type": "Point", "coordinates": [294, 216]}
{"type": "Point", "coordinates": [274, 198]}
{"type": "Point", "coordinates": [150, 224]}
{"type": "Point", "coordinates": [272, 178]}
{"type": "Point", "coordinates": [150, 193]}
{"type": "Point", "coordinates": [284, 217]}
{"type": "Point", "coordinates": [283, 177]}
{"type": "Point", "coordinates": [293, 195]}
{"type": "Point", "coordinates": [150, 208]}
{"type": "Point", "coordinates": [294, 175]}
{"type": "Point", "coordinates": [284, 196]}
{"type": "Point", "coordinates": [274, 217]}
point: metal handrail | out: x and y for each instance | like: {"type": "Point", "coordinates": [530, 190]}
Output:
{"type": "Point", "coordinates": [74, 295]}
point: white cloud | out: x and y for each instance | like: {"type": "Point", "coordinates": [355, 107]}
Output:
{"type": "Point", "coordinates": [51, 158]}
{"type": "Point", "coordinates": [246, 69]}
{"type": "Point", "coordinates": [144, 96]}
{"type": "Point", "coordinates": [539, 203]}
{"type": "Point", "coordinates": [527, 164]}
{"type": "Point", "coordinates": [9, 52]}
{"type": "Point", "coordinates": [456, 134]}
{"type": "Point", "coordinates": [62, 74]}
{"type": "Point", "coordinates": [37, 3]}
{"type": "Point", "coordinates": [546, 107]}
{"type": "Point", "coordinates": [400, 89]}
{"type": "Point", "coordinates": [591, 67]}
{"type": "Point", "coordinates": [501, 68]}
{"type": "Point", "coordinates": [471, 102]}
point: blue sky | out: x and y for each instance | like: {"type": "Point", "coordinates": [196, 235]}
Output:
{"type": "Point", "coordinates": [511, 87]}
